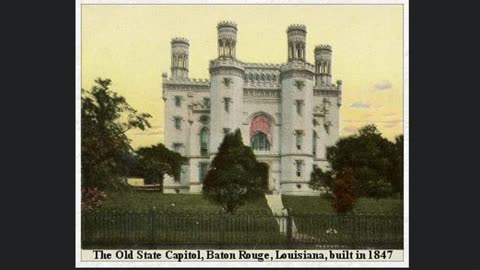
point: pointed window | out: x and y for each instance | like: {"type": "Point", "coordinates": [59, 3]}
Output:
{"type": "Point", "coordinates": [204, 142]}
{"type": "Point", "coordinates": [260, 142]}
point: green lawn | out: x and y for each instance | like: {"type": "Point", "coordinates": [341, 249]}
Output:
{"type": "Point", "coordinates": [128, 219]}
{"type": "Point", "coordinates": [320, 205]}
{"type": "Point", "coordinates": [143, 201]}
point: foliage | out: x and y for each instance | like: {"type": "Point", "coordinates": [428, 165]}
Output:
{"type": "Point", "coordinates": [313, 205]}
{"type": "Point", "coordinates": [397, 165]}
{"type": "Point", "coordinates": [373, 159]}
{"type": "Point", "coordinates": [344, 190]}
{"type": "Point", "coordinates": [106, 117]}
{"type": "Point", "coordinates": [233, 177]}
{"type": "Point", "coordinates": [92, 199]}
{"type": "Point", "coordinates": [320, 180]}
{"type": "Point", "coordinates": [157, 160]}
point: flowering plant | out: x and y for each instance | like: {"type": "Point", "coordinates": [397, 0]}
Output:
{"type": "Point", "coordinates": [92, 199]}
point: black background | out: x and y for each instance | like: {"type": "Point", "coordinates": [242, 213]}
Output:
{"type": "Point", "coordinates": [38, 135]}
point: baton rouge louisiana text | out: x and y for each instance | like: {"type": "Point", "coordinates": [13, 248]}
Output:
{"type": "Point", "coordinates": [241, 255]}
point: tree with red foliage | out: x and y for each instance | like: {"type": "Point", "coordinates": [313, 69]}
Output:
{"type": "Point", "coordinates": [344, 191]}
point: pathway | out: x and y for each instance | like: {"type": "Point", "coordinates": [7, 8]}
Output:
{"type": "Point", "coordinates": [274, 201]}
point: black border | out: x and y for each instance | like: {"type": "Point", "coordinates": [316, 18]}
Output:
{"type": "Point", "coordinates": [40, 134]}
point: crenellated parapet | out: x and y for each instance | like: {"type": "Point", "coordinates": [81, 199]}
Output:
{"type": "Point", "coordinates": [298, 69]}
{"type": "Point", "coordinates": [226, 66]}
{"type": "Point", "coordinates": [186, 84]}
{"type": "Point", "coordinates": [261, 66]}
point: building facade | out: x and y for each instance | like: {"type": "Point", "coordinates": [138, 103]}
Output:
{"type": "Point", "coordinates": [288, 113]}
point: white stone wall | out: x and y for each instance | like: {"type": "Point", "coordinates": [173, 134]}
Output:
{"type": "Point", "coordinates": [273, 93]}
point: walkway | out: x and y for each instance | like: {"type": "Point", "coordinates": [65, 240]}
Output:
{"type": "Point", "coordinates": [274, 201]}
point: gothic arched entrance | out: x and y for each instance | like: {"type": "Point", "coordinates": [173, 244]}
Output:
{"type": "Point", "coordinates": [264, 174]}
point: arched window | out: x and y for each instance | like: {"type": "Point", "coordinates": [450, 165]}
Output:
{"type": "Point", "coordinates": [257, 77]}
{"type": "Point", "coordinates": [261, 133]}
{"type": "Point", "coordinates": [204, 142]}
{"type": "Point", "coordinates": [260, 142]}
{"type": "Point", "coordinates": [251, 76]}
{"type": "Point", "coordinates": [314, 142]}
{"type": "Point", "coordinates": [274, 77]}
{"type": "Point", "coordinates": [263, 77]}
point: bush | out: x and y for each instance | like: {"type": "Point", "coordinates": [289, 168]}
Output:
{"type": "Point", "coordinates": [320, 180]}
{"type": "Point", "coordinates": [92, 199]}
{"type": "Point", "coordinates": [344, 190]}
{"type": "Point", "coordinates": [233, 178]}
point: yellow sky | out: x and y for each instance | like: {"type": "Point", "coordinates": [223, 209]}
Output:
{"type": "Point", "coordinates": [130, 44]}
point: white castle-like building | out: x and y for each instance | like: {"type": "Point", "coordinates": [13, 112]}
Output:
{"type": "Point", "coordinates": [288, 113]}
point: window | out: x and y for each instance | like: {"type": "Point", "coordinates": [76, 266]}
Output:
{"type": "Point", "coordinates": [178, 122]}
{"type": "Point", "coordinates": [314, 144]}
{"type": "Point", "coordinates": [177, 147]}
{"type": "Point", "coordinates": [299, 167]}
{"type": "Point", "coordinates": [204, 142]}
{"type": "Point", "coordinates": [298, 134]}
{"type": "Point", "coordinates": [206, 101]}
{"type": "Point", "coordinates": [226, 131]}
{"type": "Point", "coordinates": [260, 142]}
{"type": "Point", "coordinates": [299, 104]}
{"type": "Point", "coordinates": [203, 169]}
{"type": "Point", "coordinates": [178, 101]}
{"type": "Point", "coordinates": [204, 119]}
{"type": "Point", "coordinates": [227, 103]}
{"type": "Point", "coordinates": [251, 76]}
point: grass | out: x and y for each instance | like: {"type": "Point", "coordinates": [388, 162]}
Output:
{"type": "Point", "coordinates": [371, 223]}
{"type": "Point", "coordinates": [144, 201]}
{"type": "Point", "coordinates": [320, 205]}
{"type": "Point", "coordinates": [177, 219]}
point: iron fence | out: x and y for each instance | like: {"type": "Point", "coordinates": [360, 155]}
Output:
{"type": "Point", "coordinates": [156, 229]}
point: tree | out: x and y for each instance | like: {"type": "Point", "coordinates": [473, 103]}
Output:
{"type": "Point", "coordinates": [155, 161]}
{"type": "Point", "coordinates": [233, 177]}
{"type": "Point", "coordinates": [397, 165]}
{"type": "Point", "coordinates": [371, 157]}
{"type": "Point", "coordinates": [106, 117]}
{"type": "Point", "coordinates": [344, 191]}
{"type": "Point", "coordinates": [320, 180]}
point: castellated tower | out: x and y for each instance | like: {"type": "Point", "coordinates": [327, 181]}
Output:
{"type": "Point", "coordinates": [296, 42]}
{"type": "Point", "coordinates": [226, 84]}
{"type": "Point", "coordinates": [297, 79]}
{"type": "Point", "coordinates": [323, 65]}
{"type": "Point", "coordinates": [179, 65]}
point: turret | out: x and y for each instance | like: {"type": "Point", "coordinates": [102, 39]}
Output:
{"type": "Point", "coordinates": [180, 47]}
{"type": "Point", "coordinates": [227, 39]}
{"type": "Point", "coordinates": [297, 35]}
{"type": "Point", "coordinates": [226, 87]}
{"type": "Point", "coordinates": [323, 65]}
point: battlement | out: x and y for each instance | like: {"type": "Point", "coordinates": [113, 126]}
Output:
{"type": "Point", "coordinates": [261, 66]}
{"type": "Point", "coordinates": [187, 81]}
{"type": "Point", "coordinates": [323, 47]}
{"type": "Point", "coordinates": [227, 24]}
{"type": "Point", "coordinates": [297, 27]}
{"type": "Point", "coordinates": [298, 65]}
{"type": "Point", "coordinates": [180, 40]}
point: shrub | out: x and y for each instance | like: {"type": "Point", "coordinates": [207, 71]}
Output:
{"type": "Point", "coordinates": [344, 190]}
{"type": "Point", "coordinates": [92, 199]}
